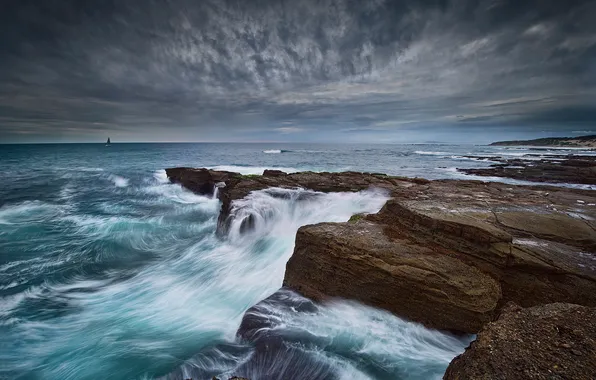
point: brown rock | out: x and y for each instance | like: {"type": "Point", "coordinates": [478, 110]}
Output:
{"type": "Point", "coordinates": [575, 169]}
{"type": "Point", "coordinates": [273, 173]}
{"type": "Point", "coordinates": [532, 343]}
{"type": "Point", "coordinates": [358, 261]}
{"type": "Point", "coordinates": [436, 245]}
{"type": "Point", "coordinates": [237, 186]}
{"type": "Point", "coordinates": [200, 181]}
{"type": "Point", "coordinates": [455, 242]}
{"type": "Point", "coordinates": [538, 256]}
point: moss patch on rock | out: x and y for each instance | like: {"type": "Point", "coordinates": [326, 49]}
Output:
{"type": "Point", "coordinates": [356, 217]}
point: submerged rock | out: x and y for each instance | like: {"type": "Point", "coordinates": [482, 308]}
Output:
{"type": "Point", "coordinates": [554, 341]}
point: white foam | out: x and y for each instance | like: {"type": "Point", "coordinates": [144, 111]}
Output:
{"type": "Point", "coordinates": [469, 158]}
{"type": "Point", "coordinates": [399, 346]}
{"type": "Point", "coordinates": [193, 288]}
{"type": "Point", "coordinates": [90, 170]}
{"type": "Point", "coordinates": [176, 193]}
{"type": "Point", "coordinates": [118, 181]}
{"type": "Point", "coordinates": [28, 212]}
{"type": "Point", "coordinates": [454, 173]}
{"type": "Point", "coordinates": [272, 151]}
{"type": "Point", "coordinates": [430, 153]}
{"type": "Point", "coordinates": [161, 177]}
{"type": "Point", "coordinates": [252, 169]}
{"type": "Point", "coordinates": [282, 211]}
{"type": "Point", "coordinates": [77, 169]}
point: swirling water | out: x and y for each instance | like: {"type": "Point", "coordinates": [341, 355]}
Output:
{"type": "Point", "coordinates": [109, 271]}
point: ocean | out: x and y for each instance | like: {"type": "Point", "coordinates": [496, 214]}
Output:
{"type": "Point", "coordinates": [109, 271]}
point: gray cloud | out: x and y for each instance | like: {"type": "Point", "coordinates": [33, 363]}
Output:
{"type": "Point", "coordinates": [299, 70]}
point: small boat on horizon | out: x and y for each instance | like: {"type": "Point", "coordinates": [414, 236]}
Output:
{"type": "Point", "coordinates": [108, 143]}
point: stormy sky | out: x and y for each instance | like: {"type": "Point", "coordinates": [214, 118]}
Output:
{"type": "Point", "coordinates": [298, 70]}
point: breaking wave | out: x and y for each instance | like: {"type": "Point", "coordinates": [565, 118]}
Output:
{"type": "Point", "coordinates": [118, 181]}
{"type": "Point", "coordinates": [139, 286]}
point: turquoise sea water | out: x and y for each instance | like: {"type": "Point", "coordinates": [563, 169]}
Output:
{"type": "Point", "coordinates": [109, 271]}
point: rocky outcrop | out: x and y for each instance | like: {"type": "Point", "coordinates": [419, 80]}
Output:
{"type": "Point", "coordinates": [236, 186]}
{"type": "Point", "coordinates": [201, 181]}
{"type": "Point", "coordinates": [448, 254]}
{"type": "Point", "coordinates": [552, 169]}
{"type": "Point", "coordinates": [554, 341]}
{"type": "Point", "coordinates": [358, 261]}
{"type": "Point", "coordinates": [538, 255]}
{"type": "Point", "coordinates": [537, 244]}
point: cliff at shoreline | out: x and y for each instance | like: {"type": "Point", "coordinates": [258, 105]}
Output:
{"type": "Point", "coordinates": [461, 248]}
{"type": "Point", "coordinates": [448, 254]}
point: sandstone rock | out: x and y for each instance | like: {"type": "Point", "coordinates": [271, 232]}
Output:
{"type": "Point", "coordinates": [554, 341]}
{"type": "Point", "coordinates": [201, 181]}
{"type": "Point", "coordinates": [273, 173]}
{"type": "Point", "coordinates": [466, 236]}
{"type": "Point", "coordinates": [237, 186]}
{"type": "Point", "coordinates": [539, 256]}
{"type": "Point", "coordinates": [358, 261]}
{"type": "Point", "coordinates": [466, 247]}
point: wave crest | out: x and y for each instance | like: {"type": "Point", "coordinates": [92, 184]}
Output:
{"type": "Point", "coordinates": [118, 181]}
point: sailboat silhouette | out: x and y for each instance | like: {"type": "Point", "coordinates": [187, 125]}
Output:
{"type": "Point", "coordinates": [108, 143]}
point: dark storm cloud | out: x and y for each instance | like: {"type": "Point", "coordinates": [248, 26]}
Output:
{"type": "Point", "coordinates": [302, 69]}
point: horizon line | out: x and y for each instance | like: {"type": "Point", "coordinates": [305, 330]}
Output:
{"type": "Point", "coordinates": [242, 142]}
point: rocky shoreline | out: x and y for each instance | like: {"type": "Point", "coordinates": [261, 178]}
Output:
{"type": "Point", "coordinates": [576, 142]}
{"type": "Point", "coordinates": [573, 169]}
{"type": "Point", "coordinates": [448, 254]}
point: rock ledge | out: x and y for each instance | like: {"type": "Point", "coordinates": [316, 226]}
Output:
{"type": "Point", "coordinates": [448, 254]}
{"type": "Point", "coordinates": [555, 341]}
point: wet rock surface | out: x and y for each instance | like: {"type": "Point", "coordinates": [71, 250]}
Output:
{"type": "Point", "coordinates": [538, 168]}
{"type": "Point", "coordinates": [260, 328]}
{"type": "Point", "coordinates": [237, 186]}
{"type": "Point", "coordinates": [446, 253]}
{"type": "Point", "coordinates": [554, 341]}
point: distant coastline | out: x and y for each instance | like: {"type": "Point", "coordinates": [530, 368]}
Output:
{"type": "Point", "coordinates": [571, 142]}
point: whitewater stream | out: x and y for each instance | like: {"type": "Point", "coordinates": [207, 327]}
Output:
{"type": "Point", "coordinates": [107, 270]}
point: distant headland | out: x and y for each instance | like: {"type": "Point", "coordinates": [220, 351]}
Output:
{"type": "Point", "coordinates": [571, 142]}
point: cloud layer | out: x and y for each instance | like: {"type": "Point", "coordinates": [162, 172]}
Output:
{"type": "Point", "coordinates": [340, 70]}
